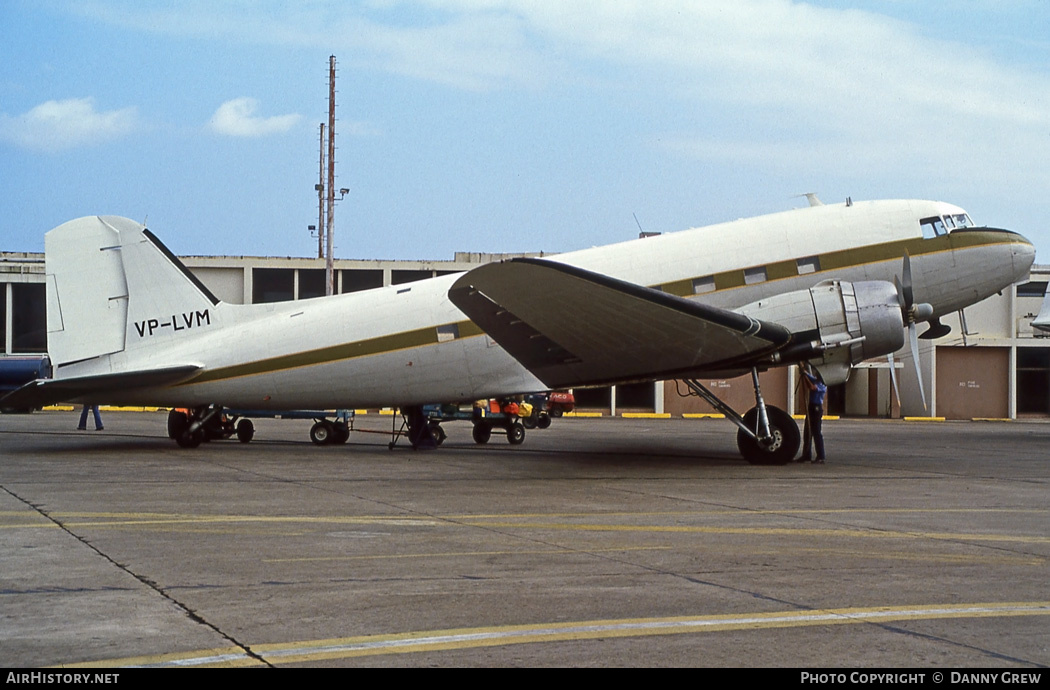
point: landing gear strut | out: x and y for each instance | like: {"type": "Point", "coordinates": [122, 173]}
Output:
{"type": "Point", "coordinates": [766, 435]}
{"type": "Point", "coordinates": [202, 424]}
{"type": "Point", "coordinates": [423, 432]}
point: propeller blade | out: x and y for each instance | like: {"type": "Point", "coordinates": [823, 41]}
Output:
{"type": "Point", "coordinates": [914, 338]}
{"type": "Point", "coordinates": [893, 379]}
{"type": "Point", "coordinates": [909, 297]}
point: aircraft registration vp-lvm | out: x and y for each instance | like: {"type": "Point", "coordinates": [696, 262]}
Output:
{"type": "Point", "coordinates": [831, 285]}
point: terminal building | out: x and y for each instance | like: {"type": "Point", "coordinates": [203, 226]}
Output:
{"type": "Point", "coordinates": [992, 365]}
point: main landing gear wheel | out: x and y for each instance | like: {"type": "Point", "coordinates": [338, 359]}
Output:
{"type": "Point", "coordinates": [190, 439]}
{"type": "Point", "coordinates": [177, 424]}
{"type": "Point", "coordinates": [783, 446]}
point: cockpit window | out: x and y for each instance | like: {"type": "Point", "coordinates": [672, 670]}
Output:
{"type": "Point", "coordinates": [933, 227]}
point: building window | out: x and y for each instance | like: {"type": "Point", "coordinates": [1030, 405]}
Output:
{"type": "Point", "coordinates": [355, 280]}
{"type": "Point", "coordinates": [312, 283]}
{"type": "Point", "coordinates": [28, 318]}
{"type": "Point", "coordinates": [1035, 288]}
{"type": "Point", "coordinates": [398, 277]}
{"type": "Point", "coordinates": [636, 396]}
{"type": "Point", "coordinates": [3, 317]}
{"type": "Point", "coordinates": [272, 285]}
{"type": "Point", "coordinates": [1033, 380]}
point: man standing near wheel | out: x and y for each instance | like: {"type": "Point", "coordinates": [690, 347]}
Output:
{"type": "Point", "coordinates": [814, 416]}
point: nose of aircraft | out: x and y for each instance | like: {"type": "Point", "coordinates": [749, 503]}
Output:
{"type": "Point", "coordinates": [1023, 254]}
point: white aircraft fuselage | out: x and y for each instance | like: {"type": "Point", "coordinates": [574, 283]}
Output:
{"type": "Point", "coordinates": [409, 344]}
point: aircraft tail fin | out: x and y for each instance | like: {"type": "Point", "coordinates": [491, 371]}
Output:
{"type": "Point", "coordinates": [112, 286]}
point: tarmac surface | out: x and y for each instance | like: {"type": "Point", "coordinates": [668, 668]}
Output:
{"type": "Point", "coordinates": [598, 542]}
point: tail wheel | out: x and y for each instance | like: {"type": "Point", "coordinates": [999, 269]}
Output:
{"type": "Point", "coordinates": [783, 446]}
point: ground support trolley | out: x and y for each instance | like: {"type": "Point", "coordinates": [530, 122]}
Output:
{"type": "Point", "coordinates": [189, 428]}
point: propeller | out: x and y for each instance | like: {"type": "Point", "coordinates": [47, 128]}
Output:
{"type": "Point", "coordinates": [911, 313]}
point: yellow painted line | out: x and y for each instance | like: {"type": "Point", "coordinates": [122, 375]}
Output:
{"type": "Point", "coordinates": [460, 554]}
{"type": "Point", "coordinates": [703, 415]}
{"type": "Point", "coordinates": [108, 519]}
{"type": "Point", "coordinates": [147, 519]}
{"type": "Point", "coordinates": [924, 419]}
{"type": "Point", "coordinates": [769, 531]}
{"type": "Point", "coordinates": [583, 414]}
{"type": "Point", "coordinates": [992, 419]}
{"type": "Point", "coordinates": [503, 635]}
{"type": "Point", "coordinates": [60, 408]}
{"type": "Point", "coordinates": [749, 512]}
{"type": "Point", "coordinates": [117, 408]}
{"type": "Point", "coordinates": [646, 415]}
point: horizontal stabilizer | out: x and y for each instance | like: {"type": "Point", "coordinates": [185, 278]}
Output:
{"type": "Point", "coordinates": [573, 327]}
{"type": "Point", "coordinates": [93, 388]}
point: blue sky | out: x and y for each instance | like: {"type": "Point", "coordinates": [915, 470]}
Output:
{"type": "Point", "coordinates": [507, 125]}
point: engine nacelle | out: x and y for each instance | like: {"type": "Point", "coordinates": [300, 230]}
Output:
{"type": "Point", "coordinates": [836, 324]}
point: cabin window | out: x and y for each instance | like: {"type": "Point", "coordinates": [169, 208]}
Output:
{"type": "Point", "coordinates": [809, 264]}
{"type": "Point", "coordinates": [754, 275]}
{"type": "Point", "coordinates": [702, 285]}
{"type": "Point", "coordinates": [447, 332]}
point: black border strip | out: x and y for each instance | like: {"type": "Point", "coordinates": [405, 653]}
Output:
{"type": "Point", "coordinates": [181, 266]}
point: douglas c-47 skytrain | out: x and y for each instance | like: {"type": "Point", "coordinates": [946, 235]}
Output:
{"type": "Point", "coordinates": [831, 285]}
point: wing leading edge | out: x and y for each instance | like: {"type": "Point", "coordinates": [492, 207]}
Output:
{"type": "Point", "coordinates": [573, 327]}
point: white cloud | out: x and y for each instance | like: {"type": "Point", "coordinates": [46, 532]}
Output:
{"type": "Point", "coordinates": [60, 125]}
{"type": "Point", "coordinates": [237, 118]}
{"type": "Point", "coordinates": [868, 86]}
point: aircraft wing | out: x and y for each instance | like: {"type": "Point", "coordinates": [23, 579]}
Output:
{"type": "Point", "coordinates": [50, 391]}
{"type": "Point", "coordinates": [573, 327]}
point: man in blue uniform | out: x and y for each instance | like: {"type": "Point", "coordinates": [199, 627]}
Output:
{"type": "Point", "coordinates": [814, 416]}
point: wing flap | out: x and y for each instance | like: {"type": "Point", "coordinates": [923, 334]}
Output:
{"type": "Point", "coordinates": [43, 392]}
{"type": "Point", "coordinates": [573, 327]}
